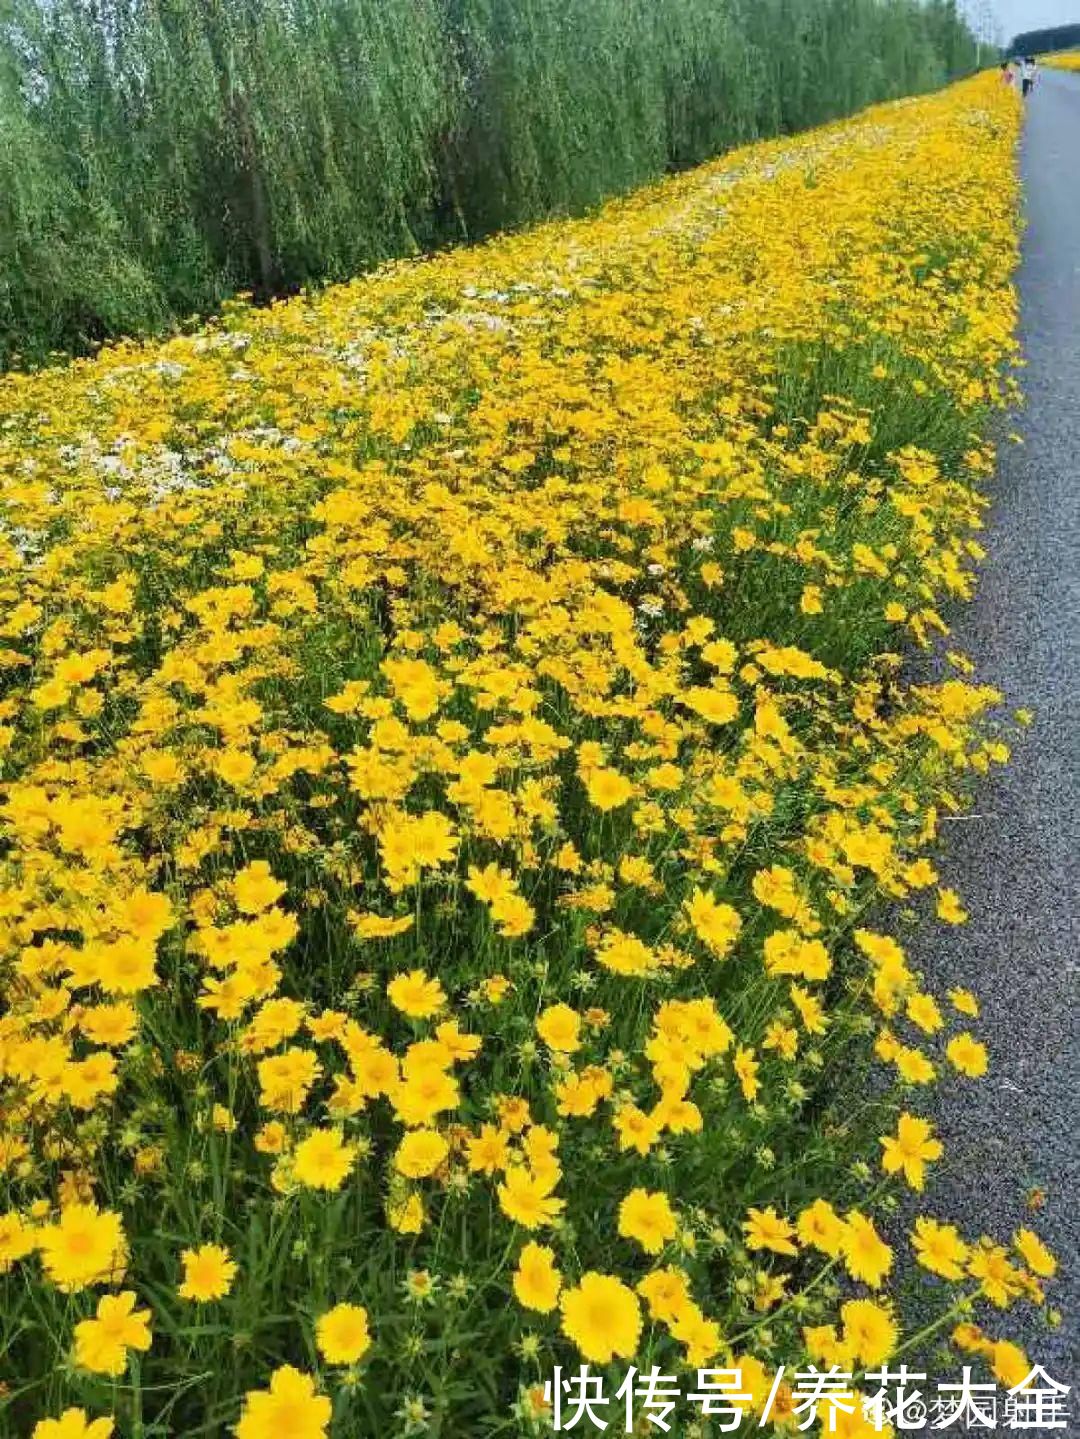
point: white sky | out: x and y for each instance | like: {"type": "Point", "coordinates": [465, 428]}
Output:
{"type": "Point", "coordinates": [1017, 15]}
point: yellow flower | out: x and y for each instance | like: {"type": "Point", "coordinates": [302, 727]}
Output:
{"type": "Point", "coordinates": [1000, 1281]}
{"type": "Point", "coordinates": [405, 1216]}
{"type": "Point", "coordinates": [255, 888]}
{"type": "Point", "coordinates": [648, 1218]}
{"type": "Point", "coordinates": [496, 988]}
{"type": "Point", "coordinates": [913, 1066]}
{"type": "Point", "coordinates": [602, 1317]}
{"type": "Point", "coordinates": [949, 907]}
{"type": "Point", "coordinates": [420, 1153]}
{"type": "Point", "coordinates": [208, 1273]}
{"type": "Point", "coordinates": [636, 1130]}
{"type": "Point", "coordinates": [559, 1027]}
{"type": "Point", "coordinates": [666, 1292]}
{"type": "Point", "coordinates": [290, 1407]}
{"type": "Point", "coordinates": [911, 1149]}
{"type": "Point", "coordinates": [968, 1055]}
{"type": "Point", "coordinates": [821, 1227]}
{"type": "Point", "coordinates": [342, 1334]}
{"type": "Point", "coordinates": [923, 1011]}
{"type": "Point", "coordinates": [514, 915]}
{"type": "Point", "coordinates": [716, 925]}
{"type": "Point", "coordinates": [939, 1248]}
{"type": "Point", "coordinates": [235, 767]}
{"type": "Point", "coordinates": [746, 1068]}
{"type": "Point", "coordinates": [73, 1424]}
{"type": "Point", "coordinates": [625, 954]}
{"type": "Point", "coordinates": [271, 1138]}
{"type": "Point", "coordinates": [866, 1254]}
{"type": "Point", "coordinates": [17, 1240]}
{"type": "Point", "coordinates": [607, 788]}
{"type": "Point", "coordinates": [488, 1151]}
{"type": "Point", "coordinates": [377, 926]}
{"type": "Point", "coordinates": [765, 1229]}
{"type": "Point", "coordinates": [126, 966]}
{"type": "Point", "coordinates": [825, 1346]}
{"type": "Point", "coordinates": [411, 843]}
{"type": "Point", "coordinates": [970, 1339]}
{"type": "Point", "coordinates": [1035, 1254]}
{"type": "Point", "coordinates": [423, 1094]}
{"type": "Point", "coordinates": [323, 1159]}
{"type": "Point", "coordinates": [537, 1281]}
{"type": "Point", "coordinates": [85, 1246]}
{"type": "Point", "coordinates": [869, 1331]}
{"type": "Point", "coordinates": [527, 1198]}
{"type": "Point", "coordinates": [713, 703]}
{"type": "Point", "coordinates": [102, 1343]}
{"type": "Point", "coordinates": [852, 1421]}
{"type": "Point", "coordinates": [964, 1002]}
{"type": "Point", "coordinates": [1009, 1363]}
{"type": "Point", "coordinates": [701, 1336]}
{"type": "Point", "coordinates": [416, 995]}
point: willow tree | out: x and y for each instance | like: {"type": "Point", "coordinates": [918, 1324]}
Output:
{"type": "Point", "coordinates": [157, 155]}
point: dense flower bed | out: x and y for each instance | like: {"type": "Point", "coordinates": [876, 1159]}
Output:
{"type": "Point", "coordinates": [462, 797]}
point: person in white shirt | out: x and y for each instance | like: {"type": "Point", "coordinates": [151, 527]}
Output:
{"type": "Point", "coordinates": [1027, 74]}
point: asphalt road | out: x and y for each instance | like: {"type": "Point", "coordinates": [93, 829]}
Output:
{"type": "Point", "coordinates": [1016, 860]}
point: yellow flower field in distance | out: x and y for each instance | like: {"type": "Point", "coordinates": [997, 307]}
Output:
{"type": "Point", "coordinates": [469, 779]}
{"type": "Point", "coordinates": [1067, 60]}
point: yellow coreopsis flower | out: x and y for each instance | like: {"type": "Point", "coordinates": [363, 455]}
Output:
{"type": "Point", "coordinates": [939, 1248]}
{"type": "Point", "coordinates": [559, 1027]}
{"type": "Point", "coordinates": [608, 789]}
{"type": "Point", "coordinates": [911, 1149]}
{"type": "Point", "coordinates": [1035, 1254]}
{"type": "Point", "coordinates": [1009, 1363]}
{"type": "Point", "coordinates": [290, 1406]}
{"type": "Point", "coordinates": [421, 1153]}
{"type": "Point", "coordinates": [416, 995]}
{"type": "Point", "coordinates": [870, 1331]}
{"type": "Point", "coordinates": [821, 1227]}
{"type": "Point", "coordinates": [602, 1317]}
{"type": "Point", "coordinates": [85, 1246]}
{"type": "Point", "coordinates": [102, 1343]}
{"type": "Point", "coordinates": [208, 1273]}
{"type": "Point", "coordinates": [648, 1218]}
{"type": "Point", "coordinates": [968, 1055]}
{"type": "Point", "coordinates": [765, 1229]}
{"type": "Point", "coordinates": [716, 925]}
{"type": "Point", "coordinates": [17, 1240]}
{"type": "Point", "coordinates": [73, 1424]}
{"type": "Point", "coordinates": [342, 1334]}
{"type": "Point", "coordinates": [866, 1254]}
{"type": "Point", "coordinates": [527, 1198]}
{"type": "Point", "coordinates": [323, 1160]}
{"type": "Point", "coordinates": [949, 907]}
{"type": "Point", "coordinates": [537, 1280]}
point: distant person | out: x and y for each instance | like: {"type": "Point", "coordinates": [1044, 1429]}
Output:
{"type": "Point", "coordinates": [1006, 72]}
{"type": "Point", "coordinates": [1027, 74]}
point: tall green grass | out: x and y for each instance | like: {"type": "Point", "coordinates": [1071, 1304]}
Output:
{"type": "Point", "coordinates": [158, 155]}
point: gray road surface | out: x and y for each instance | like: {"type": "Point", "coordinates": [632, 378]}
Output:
{"type": "Point", "coordinates": [1016, 860]}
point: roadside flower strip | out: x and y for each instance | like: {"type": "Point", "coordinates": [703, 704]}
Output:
{"type": "Point", "coordinates": [462, 800]}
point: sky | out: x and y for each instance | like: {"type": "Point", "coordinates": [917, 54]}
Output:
{"type": "Point", "coordinates": [1017, 15]}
